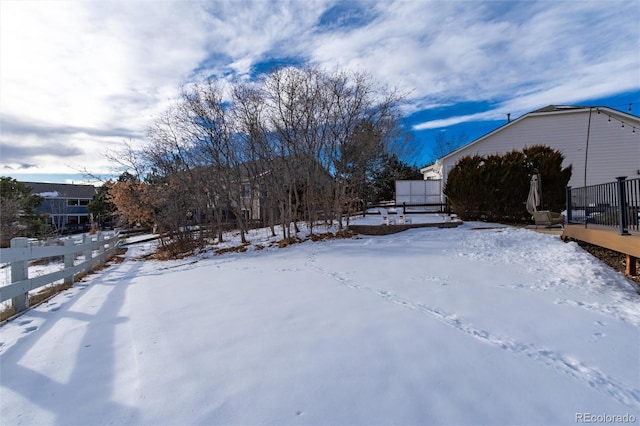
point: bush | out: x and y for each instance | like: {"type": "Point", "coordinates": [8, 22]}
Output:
{"type": "Point", "coordinates": [496, 187]}
{"type": "Point", "coordinates": [464, 187]}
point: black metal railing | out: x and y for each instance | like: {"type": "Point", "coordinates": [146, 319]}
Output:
{"type": "Point", "coordinates": [615, 204]}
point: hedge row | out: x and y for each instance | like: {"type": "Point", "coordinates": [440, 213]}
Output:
{"type": "Point", "coordinates": [496, 187]}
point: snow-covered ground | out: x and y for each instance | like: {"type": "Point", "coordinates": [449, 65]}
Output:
{"type": "Point", "coordinates": [429, 326]}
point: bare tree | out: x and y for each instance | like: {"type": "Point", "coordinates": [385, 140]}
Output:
{"type": "Point", "coordinates": [260, 164]}
{"type": "Point", "coordinates": [172, 178]}
{"type": "Point", "coordinates": [364, 126]}
{"type": "Point", "coordinates": [444, 144]}
{"type": "Point", "coordinates": [299, 144]}
{"type": "Point", "coordinates": [287, 114]}
{"type": "Point", "coordinates": [220, 153]}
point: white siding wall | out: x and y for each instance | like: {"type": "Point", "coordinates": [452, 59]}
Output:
{"type": "Point", "coordinates": [431, 175]}
{"type": "Point", "coordinates": [613, 150]}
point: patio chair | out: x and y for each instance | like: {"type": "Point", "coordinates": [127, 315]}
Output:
{"type": "Point", "coordinates": [385, 217]}
{"type": "Point", "coordinates": [403, 220]}
{"type": "Point", "coordinates": [547, 219]}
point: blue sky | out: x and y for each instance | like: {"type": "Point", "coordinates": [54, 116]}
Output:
{"type": "Point", "coordinates": [80, 78]}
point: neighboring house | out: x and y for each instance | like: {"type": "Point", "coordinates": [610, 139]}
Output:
{"type": "Point", "coordinates": [609, 140]}
{"type": "Point", "coordinates": [250, 194]}
{"type": "Point", "coordinates": [64, 204]}
{"type": "Point", "coordinates": [255, 186]}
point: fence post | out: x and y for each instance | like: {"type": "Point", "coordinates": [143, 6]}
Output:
{"type": "Point", "coordinates": [568, 197]}
{"type": "Point", "coordinates": [86, 240]}
{"type": "Point", "coordinates": [101, 248]}
{"type": "Point", "coordinates": [69, 257]}
{"type": "Point", "coordinates": [20, 272]}
{"type": "Point", "coordinates": [622, 206]}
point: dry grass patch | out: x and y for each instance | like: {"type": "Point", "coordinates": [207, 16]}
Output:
{"type": "Point", "coordinates": [171, 251]}
{"type": "Point", "coordinates": [286, 242]}
{"type": "Point", "coordinates": [235, 249]}
{"type": "Point", "coordinates": [345, 233]}
{"type": "Point", "coordinates": [116, 259]}
{"type": "Point", "coordinates": [46, 260]}
{"type": "Point", "coordinates": [36, 299]}
{"type": "Point", "coordinates": [47, 293]}
{"type": "Point", "coordinates": [6, 313]}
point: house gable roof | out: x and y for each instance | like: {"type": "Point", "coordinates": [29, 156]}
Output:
{"type": "Point", "coordinates": [553, 109]}
{"type": "Point", "coordinates": [63, 190]}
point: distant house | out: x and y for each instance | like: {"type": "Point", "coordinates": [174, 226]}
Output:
{"type": "Point", "coordinates": [600, 143]}
{"type": "Point", "coordinates": [65, 205]}
{"type": "Point", "coordinates": [249, 193]}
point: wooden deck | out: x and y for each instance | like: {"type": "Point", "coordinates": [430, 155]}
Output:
{"type": "Point", "coordinates": [608, 238]}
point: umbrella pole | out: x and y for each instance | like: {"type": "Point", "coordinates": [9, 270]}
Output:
{"type": "Point", "coordinates": [540, 191]}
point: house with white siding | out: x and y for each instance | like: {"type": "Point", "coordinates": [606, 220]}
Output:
{"type": "Point", "coordinates": [600, 143]}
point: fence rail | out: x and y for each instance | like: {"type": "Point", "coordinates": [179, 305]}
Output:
{"type": "Point", "coordinates": [615, 204]}
{"type": "Point", "coordinates": [416, 208]}
{"type": "Point", "coordinates": [21, 253]}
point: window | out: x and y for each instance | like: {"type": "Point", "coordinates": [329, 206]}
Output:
{"type": "Point", "coordinates": [246, 190]}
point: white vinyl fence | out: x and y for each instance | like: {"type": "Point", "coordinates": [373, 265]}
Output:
{"type": "Point", "coordinates": [96, 249]}
{"type": "Point", "coordinates": [418, 192]}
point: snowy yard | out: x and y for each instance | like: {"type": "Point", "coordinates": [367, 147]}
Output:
{"type": "Point", "coordinates": [427, 326]}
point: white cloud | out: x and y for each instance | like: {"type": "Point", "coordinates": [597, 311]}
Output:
{"type": "Point", "coordinates": [93, 73]}
{"type": "Point", "coordinates": [95, 66]}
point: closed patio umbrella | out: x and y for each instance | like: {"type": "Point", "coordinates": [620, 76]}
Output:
{"type": "Point", "coordinates": [534, 198]}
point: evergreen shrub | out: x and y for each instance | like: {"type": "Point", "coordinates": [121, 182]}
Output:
{"type": "Point", "coordinates": [495, 187]}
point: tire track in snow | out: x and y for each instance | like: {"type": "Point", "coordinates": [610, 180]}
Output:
{"type": "Point", "coordinates": [563, 363]}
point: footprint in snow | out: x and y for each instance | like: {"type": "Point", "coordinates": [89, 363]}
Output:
{"type": "Point", "coordinates": [429, 278]}
{"type": "Point", "coordinates": [30, 329]}
{"type": "Point", "coordinates": [25, 322]}
{"type": "Point", "coordinates": [602, 323]}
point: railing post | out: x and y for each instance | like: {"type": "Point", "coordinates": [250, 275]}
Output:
{"type": "Point", "coordinates": [20, 272]}
{"type": "Point", "coordinates": [622, 206]}
{"type": "Point", "coordinates": [569, 212]}
{"type": "Point", "coordinates": [69, 257]}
